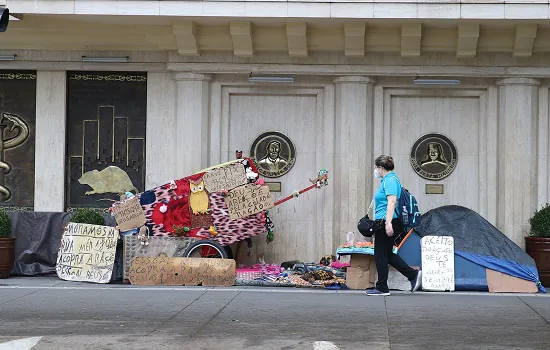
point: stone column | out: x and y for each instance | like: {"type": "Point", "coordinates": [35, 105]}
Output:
{"type": "Point", "coordinates": [161, 130]}
{"type": "Point", "coordinates": [192, 123]}
{"type": "Point", "coordinates": [50, 136]}
{"type": "Point", "coordinates": [354, 157]}
{"type": "Point", "coordinates": [517, 152]}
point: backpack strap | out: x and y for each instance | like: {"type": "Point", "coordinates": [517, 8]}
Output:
{"type": "Point", "coordinates": [371, 206]}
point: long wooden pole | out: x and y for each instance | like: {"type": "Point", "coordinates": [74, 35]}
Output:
{"type": "Point", "coordinates": [280, 201]}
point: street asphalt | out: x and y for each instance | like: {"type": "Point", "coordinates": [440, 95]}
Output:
{"type": "Point", "coordinates": [47, 313]}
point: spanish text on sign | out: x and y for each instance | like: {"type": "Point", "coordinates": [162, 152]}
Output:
{"type": "Point", "coordinates": [248, 200]}
{"type": "Point", "coordinates": [438, 265]}
{"type": "Point", "coordinates": [87, 253]}
{"type": "Point", "coordinates": [129, 214]}
{"type": "Point", "coordinates": [225, 178]}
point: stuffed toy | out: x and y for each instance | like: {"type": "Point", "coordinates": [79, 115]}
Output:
{"type": "Point", "coordinates": [143, 235]}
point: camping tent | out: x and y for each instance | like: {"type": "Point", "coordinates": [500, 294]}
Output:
{"type": "Point", "coordinates": [485, 259]}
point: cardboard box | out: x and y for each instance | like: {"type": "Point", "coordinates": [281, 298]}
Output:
{"type": "Point", "coordinates": [362, 273]}
{"type": "Point", "coordinates": [361, 260]}
{"type": "Point", "coordinates": [501, 283]}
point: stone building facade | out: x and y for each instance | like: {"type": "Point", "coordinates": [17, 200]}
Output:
{"type": "Point", "coordinates": [356, 79]}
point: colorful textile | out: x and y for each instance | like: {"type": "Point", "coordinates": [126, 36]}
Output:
{"type": "Point", "coordinates": [339, 265]}
{"type": "Point", "coordinates": [281, 278]}
{"type": "Point", "coordinates": [231, 231]}
{"type": "Point", "coordinates": [260, 283]}
{"type": "Point", "coordinates": [346, 249]}
{"type": "Point", "coordinates": [171, 206]}
{"type": "Point", "coordinates": [248, 274]}
{"type": "Point", "coordinates": [266, 269]}
{"type": "Point", "coordinates": [298, 280]}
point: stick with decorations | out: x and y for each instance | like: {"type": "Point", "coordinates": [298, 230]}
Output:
{"type": "Point", "coordinates": [320, 181]}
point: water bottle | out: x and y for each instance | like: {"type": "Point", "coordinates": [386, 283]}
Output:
{"type": "Point", "coordinates": [350, 237]}
{"type": "Point", "coordinates": [405, 216]}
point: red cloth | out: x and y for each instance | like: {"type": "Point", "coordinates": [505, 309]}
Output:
{"type": "Point", "coordinates": [178, 212]}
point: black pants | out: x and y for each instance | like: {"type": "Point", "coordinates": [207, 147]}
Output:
{"type": "Point", "coordinates": [384, 255]}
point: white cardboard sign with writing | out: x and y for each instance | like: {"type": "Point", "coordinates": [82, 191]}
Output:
{"type": "Point", "coordinates": [225, 178]}
{"type": "Point", "coordinates": [248, 200]}
{"type": "Point", "coordinates": [87, 253]}
{"type": "Point", "coordinates": [438, 263]}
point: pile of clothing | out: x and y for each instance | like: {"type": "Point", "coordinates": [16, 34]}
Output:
{"type": "Point", "coordinates": [328, 273]}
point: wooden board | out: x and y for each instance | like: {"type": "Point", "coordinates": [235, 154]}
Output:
{"type": "Point", "coordinates": [165, 271]}
{"type": "Point", "coordinates": [499, 282]}
{"type": "Point", "coordinates": [87, 253]}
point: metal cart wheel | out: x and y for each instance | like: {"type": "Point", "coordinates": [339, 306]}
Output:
{"type": "Point", "coordinates": [205, 249]}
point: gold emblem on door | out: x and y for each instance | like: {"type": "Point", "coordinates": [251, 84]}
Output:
{"type": "Point", "coordinates": [433, 156]}
{"type": "Point", "coordinates": [273, 154]}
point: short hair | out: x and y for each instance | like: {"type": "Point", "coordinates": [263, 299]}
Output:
{"type": "Point", "coordinates": [385, 162]}
{"type": "Point", "coordinates": [273, 142]}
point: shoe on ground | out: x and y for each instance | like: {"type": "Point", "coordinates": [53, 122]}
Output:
{"type": "Point", "coordinates": [415, 283]}
{"type": "Point", "coordinates": [374, 291]}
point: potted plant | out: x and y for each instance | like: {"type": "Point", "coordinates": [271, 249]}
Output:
{"type": "Point", "coordinates": [87, 216]}
{"type": "Point", "coordinates": [537, 244]}
{"type": "Point", "coordinates": [7, 245]}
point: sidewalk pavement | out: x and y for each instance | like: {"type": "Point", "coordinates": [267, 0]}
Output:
{"type": "Point", "coordinates": [54, 282]}
{"type": "Point", "coordinates": [52, 314]}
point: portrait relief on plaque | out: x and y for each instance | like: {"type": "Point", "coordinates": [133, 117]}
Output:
{"type": "Point", "coordinates": [273, 153]}
{"type": "Point", "coordinates": [433, 156]}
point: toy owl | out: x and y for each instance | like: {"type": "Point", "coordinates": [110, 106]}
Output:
{"type": "Point", "coordinates": [198, 198]}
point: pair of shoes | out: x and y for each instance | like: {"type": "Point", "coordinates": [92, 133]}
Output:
{"type": "Point", "coordinates": [416, 282]}
{"type": "Point", "coordinates": [374, 291]}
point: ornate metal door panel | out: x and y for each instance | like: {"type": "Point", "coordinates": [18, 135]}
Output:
{"type": "Point", "coordinates": [106, 121]}
{"type": "Point", "coordinates": [17, 126]}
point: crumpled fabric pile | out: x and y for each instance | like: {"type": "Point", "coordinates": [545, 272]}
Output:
{"type": "Point", "coordinates": [326, 274]}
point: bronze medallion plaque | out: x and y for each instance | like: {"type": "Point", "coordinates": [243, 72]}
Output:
{"type": "Point", "coordinates": [433, 156]}
{"type": "Point", "coordinates": [273, 154]}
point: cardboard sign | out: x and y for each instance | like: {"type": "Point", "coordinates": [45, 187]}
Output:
{"type": "Point", "coordinates": [129, 214]}
{"type": "Point", "coordinates": [438, 263]}
{"type": "Point", "coordinates": [248, 200]}
{"type": "Point", "coordinates": [87, 253]}
{"type": "Point", "coordinates": [225, 178]}
{"type": "Point", "coordinates": [165, 271]}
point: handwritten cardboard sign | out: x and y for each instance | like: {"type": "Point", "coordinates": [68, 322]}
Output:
{"type": "Point", "coordinates": [438, 263]}
{"type": "Point", "coordinates": [87, 253]}
{"type": "Point", "coordinates": [129, 214]}
{"type": "Point", "coordinates": [248, 200]}
{"type": "Point", "coordinates": [166, 271]}
{"type": "Point", "coordinates": [225, 178]}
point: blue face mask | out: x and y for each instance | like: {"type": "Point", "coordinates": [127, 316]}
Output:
{"type": "Point", "coordinates": [377, 174]}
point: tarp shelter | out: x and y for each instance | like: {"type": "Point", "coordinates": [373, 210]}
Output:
{"type": "Point", "coordinates": [484, 256]}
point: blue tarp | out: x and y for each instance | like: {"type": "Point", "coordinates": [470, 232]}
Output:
{"type": "Point", "coordinates": [478, 241]}
{"type": "Point", "coordinates": [469, 276]}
